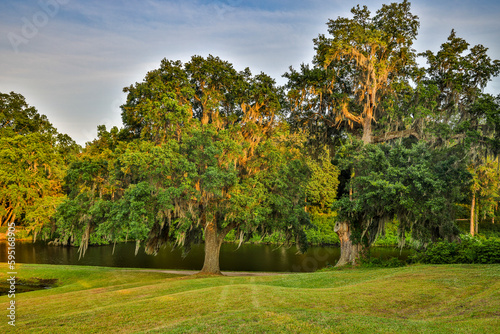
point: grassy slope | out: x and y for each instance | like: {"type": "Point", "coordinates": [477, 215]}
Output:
{"type": "Point", "coordinates": [416, 299]}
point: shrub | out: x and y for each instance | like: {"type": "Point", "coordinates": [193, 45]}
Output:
{"type": "Point", "coordinates": [376, 262]}
{"type": "Point", "coordinates": [468, 250]}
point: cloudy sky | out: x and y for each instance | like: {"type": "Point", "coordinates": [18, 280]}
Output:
{"type": "Point", "coordinates": [72, 58]}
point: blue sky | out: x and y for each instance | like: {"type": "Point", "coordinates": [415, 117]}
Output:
{"type": "Point", "coordinates": [72, 58]}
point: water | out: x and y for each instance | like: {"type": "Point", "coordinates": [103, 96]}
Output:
{"type": "Point", "coordinates": [248, 257]}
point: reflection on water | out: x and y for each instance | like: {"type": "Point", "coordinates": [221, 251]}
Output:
{"type": "Point", "coordinates": [248, 257]}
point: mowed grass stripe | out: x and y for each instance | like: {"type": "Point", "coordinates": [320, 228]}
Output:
{"type": "Point", "coordinates": [416, 299]}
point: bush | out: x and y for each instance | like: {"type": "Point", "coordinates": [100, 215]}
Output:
{"type": "Point", "coordinates": [469, 250]}
{"type": "Point", "coordinates": [393, 262]}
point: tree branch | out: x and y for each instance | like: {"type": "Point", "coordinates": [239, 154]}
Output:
{"type": "Point", "coordinates": [395, 134]}
{"type": "Point", "coordinates": [226, 230]}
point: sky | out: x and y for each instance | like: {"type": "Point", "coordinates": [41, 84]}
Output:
{"type": "Point", "coordinates": [71, 59]}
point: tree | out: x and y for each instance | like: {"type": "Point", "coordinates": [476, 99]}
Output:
{"type": "Point", "coordinates": [358, 74]}
{"type": "Point", "coordinates": [482, 138]}
{"type": "Point", "coordinates": [418, 186]}
{"type": "Point", "coordinates": [33, 159]}
{"type": "Point", "coordinates": [368, 57]}
{"type": "Point", "coordinates": [463, 114]}
{"type": "Point", "coordinates": [31, 175]}
{"type": "Point", "coordinates": [459, 76]}
{"type": "Point", "coordinates": [485, 189]}
{"type": "Point", "coordinates": [321, 189]}
{"type": "Point", "coordinates": [89, 185]}
{"type": "Point", "coordinates": [321, 193]}
{"type": "Point", "coordinates": [456, 79]}
{"type": "Point", "coordinates": [311, 104]}
{"type": "Point", "coordinates": [205, 153]}
{"type": "Point", "coordinates": [17, 117]}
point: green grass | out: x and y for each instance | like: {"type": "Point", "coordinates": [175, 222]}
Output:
{"type": "Point", "coordinates": [414, 299]}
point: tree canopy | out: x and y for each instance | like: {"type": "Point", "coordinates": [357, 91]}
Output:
{"type": "Point", "coordinates": [358, 67]}
{"type": "Point", "coordinates": [418, 186]}
{"type": "Point", "coordinates": [33, 158]}
{"type": "Point", "coordinates": [205, 152]}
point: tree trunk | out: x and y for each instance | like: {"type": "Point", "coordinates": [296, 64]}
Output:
{"type": "Point", "coordinates": [477, 218]}
{"type": "Point", "coordinates": [367, 130]}
{"type": "Point", "coordinates": [349, 253]}
{"type": "Point", "coordinates": [472, 229]}
{"type": "Point", "coordinates": [213, 241]}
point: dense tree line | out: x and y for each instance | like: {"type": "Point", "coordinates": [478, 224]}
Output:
{"type": "Point", "coordinates": [359, 137]}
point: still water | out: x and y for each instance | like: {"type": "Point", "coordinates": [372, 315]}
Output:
{"type": "Point", "coordinates": [249, 257]}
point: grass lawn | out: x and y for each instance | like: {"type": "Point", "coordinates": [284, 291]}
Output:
{"type": "Point", "coordinates": [414, 299]}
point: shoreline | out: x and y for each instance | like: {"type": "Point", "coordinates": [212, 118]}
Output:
{"type": "Point", "coordinates": [224, 273]}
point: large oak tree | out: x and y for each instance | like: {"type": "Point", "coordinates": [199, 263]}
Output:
{"type": "Point", "coordinates": [204, 151]}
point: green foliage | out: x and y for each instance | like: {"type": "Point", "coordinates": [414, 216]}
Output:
{"type": "Point", "coordinates": [360, 75]}
{"type": "Point", "coordinates": [33, 159]}
{"type": "Point", "coordinates": [461, 113]}
{"type": "Point", "coordinates": [390, 236]}
{"type": "Point", "coordinates": [488, 229]}
{"type": "Point", "coordinates": [321, 193]}
{"type": "Point", "coordinates": [324, 233]}
{"type": "Point", "coordinates": [31, 175]}
{"type": "Point", "coordinates": [485, 188]}
{"type": "Point", "coordinates": [17, 117]}
{"type": "Point", "coordinates": [417, 185]}
{"type": "Point", "coordinates": [202, 150]}
{"type": "Point", "coordinates": [369, 262]}
{"type": "Point", "coordinates": [24, 234]}
{"type": "Point", "coordinates": [322, 187]}
{"type": "Point", "coordinates": [460, 76]}
{"type": "Point", "coordinates": [20, 232]}
{"type": "Point", "coordinates": [468, 250]}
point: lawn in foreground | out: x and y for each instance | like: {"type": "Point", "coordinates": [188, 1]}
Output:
{"type": "Point", "coordinates": [414, 299]}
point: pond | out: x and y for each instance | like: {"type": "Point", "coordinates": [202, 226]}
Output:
{"type": "Point", "coordinates": [249, 257]}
